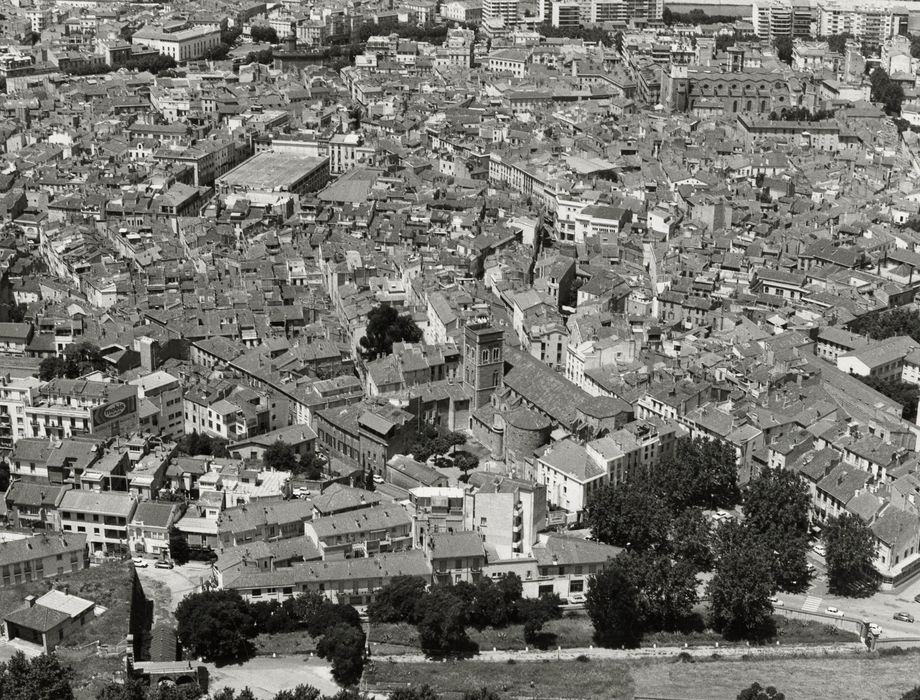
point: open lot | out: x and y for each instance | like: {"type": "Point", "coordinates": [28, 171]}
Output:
{"type": "Point", "coordinates": [812, 679]}
{"type": "Point", "coordinates": [555, 679]}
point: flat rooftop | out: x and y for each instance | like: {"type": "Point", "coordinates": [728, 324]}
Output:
{"type": "Point", "coordinates": [270, 171]}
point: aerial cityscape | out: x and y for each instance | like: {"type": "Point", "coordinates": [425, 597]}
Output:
{"type": "Point", "coordinates": [459, 349]}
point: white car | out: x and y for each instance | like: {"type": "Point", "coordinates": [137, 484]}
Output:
{"type": "Point", "coordinates": [776, 601]}
{"type": "Point", "coordinates": [377, 479]}
{"type": "Point", "coordinates": [875, 629]}
{"type": "Point", "coordinates": [577, 598]}
{"type": "Point", "coordinates": [140, 562]}
{"type": "Point", "coordinates": [834, 611]}
{"type": "Point", "coordinates": [819, 550]}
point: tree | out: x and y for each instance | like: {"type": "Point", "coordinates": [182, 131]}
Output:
{"type": "Point", "coordinates": [4, 476]}
{"type": "Point", "coordinates": [701, 473]}
{"type": "Point", "coordinates": [481, 694]}
{"type": "Point", "coordinates": [757, 692]}
{"type": "Point", "coordinates": [396, 602]}
{"type": "Point", "coordinates": [536, 612]}
{"type": "Point", "coordinates": [178, 547]}
{"type": "Point", "coordinates": [299, 692]}
{"type": "Point", "coordinates": [879, 326]}
{"type": "Point", "coordinates": [612, 603]}
{"type": "Point", "coordinates": [43, 677]}
{"type": "Point", "coordinates": [195, 443]}
{"type": "Point", "coordinates": [783, 46]}
{"type": "Point", "coordinates": [850, 551]}
{"type": "Point", "coordinates": [343, 645]}
{"type": "Point", "coordinates": [280, 456]}
{"type": "Point", "coordinates": [691, 539]}
{"type": "Point", "coordinates": [776, 511]}
{"type": "Point", "coordinates": [261, 33]}
{"type": "Point", "coordinates": [741, 587]}
{"type": "Point", "coordinates": [667, 16]}
{"type": "Point", "coordinates": [441, 623]}
{"type": "Point", "coordinates": [131, 689]}
{"type": "Point", "coordinates": [230, 694]}
{"type": "Point", "coordinates": [838, 42]}
{"type": "Point", "coordinates": [912, 694]}
{"type": "Point", "coordinates": [628, 515]}
{"type": "Point", "coordinates": [216, 625]}
{"type": "Point", "coordinates": [216, 53]}
{"type": "Point", "coordinates": [888, 92]}
{"type": "Point", "coordinates": [900, 392]}
{"type": "Point", "coordinates": [667, 589]}
{"type": "Point", "coordinates": [154, 64]}
{"type": "Point", "coordinates": [385, 326]}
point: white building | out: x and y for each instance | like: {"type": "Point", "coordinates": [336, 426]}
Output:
{"type": "Point", "coordinates": [181, 41]}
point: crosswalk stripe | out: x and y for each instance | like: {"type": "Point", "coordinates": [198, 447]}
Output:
{"type": "Point", "coordinates": [811, 604]}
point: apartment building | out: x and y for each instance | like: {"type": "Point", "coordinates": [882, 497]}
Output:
{"type": "Point", "coordinates": [362, 533]}
{"type": "Point", "coordinates": [67, 407]}
{"type": "Point", "coordinates": [41, 556]}
{"type": "Point", "coordinates": [102, 516]}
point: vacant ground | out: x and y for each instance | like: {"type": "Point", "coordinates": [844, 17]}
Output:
{"type": "Point", "coordinates": [551, 679]}
{"type": "Point", "coordinates": [831, 678]}
{"type": "Point", "coordinates": [575, 631]}
{"type": "Point", "coordinates": [285, 643]}
{"type": "Point", "coordinates": [838, 678]}
{"type": "Point", "coordinates": [108, 585]}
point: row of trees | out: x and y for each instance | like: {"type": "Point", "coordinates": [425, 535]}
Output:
{"type": "Point", "coordinates": [283, 457]}
{"type": "Point", "coordinates": [659, 521]}
{"type": "Point", "coordinates": [220, 626]}
{"type": "Point", "coordinates": [902, 321]}
{"type": "Point", "coordinates": [443, 613]}
{"type": "Point", "coordinates": [801, 114]}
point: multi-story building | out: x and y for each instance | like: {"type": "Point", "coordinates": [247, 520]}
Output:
{"type": "Point", "coordinates": [41, 556]}
{"type": "Point", "coordinates": [505, 10]}
{"type": "Point", "coordinates": [15, 395]}
{"type": "Point", "coordinates": [67, 407]}
{"type": "Point", "coordinates": [872, 22]}
{"type": "Point", "coordinates": [180, 40]}
{"type": "Point", "coordinates": [160, 411]}
{"type": "Point", "coordinates": [362, 533]}
{"type": "Point", "coordinates": [149, 527]}
{"type": "Point", "coordinates": [102, 516]}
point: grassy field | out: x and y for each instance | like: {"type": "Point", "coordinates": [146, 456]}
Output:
{"type": "Point", "coordinates": [285, 643]}
{"type": "Point", "coordinates": [816, 679]}
{"type": "Point", "coordinates": [843, 678]}
{"type": "Point", "coordinates": [556, 679]}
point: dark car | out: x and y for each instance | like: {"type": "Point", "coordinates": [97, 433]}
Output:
{"type": "Point", "coordinates": [904, 617]}
{"type": "Point", "coordinates": [917, 598]}
{"type": "Point", "coordinates": [163, 565]}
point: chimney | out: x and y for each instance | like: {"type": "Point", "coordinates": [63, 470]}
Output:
{"type": "Point", "coordinates": [30, 599]}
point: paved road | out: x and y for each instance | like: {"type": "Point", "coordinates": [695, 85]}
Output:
{"type": "Point", "coordinates": [879, 608]}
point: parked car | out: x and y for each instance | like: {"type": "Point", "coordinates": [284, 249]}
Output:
{"type": "Point", "coordinates": [775, 600]}
{"type": "Point", "coordinates": [378, 479]}
{"type": "Point", "coordinates": [917, 598]}
{"type": "Point", "coordinates": [164, 565]}
{"type": "Point", "coordinates": [139, 562]}
{"type": "Point", "coordinates": [875, 629]}
{"type": "Point", "coordinates": [903, 617]}
{"type": "Point", "coordinates": [577, 598]}
{"type": "Point", "coordinates": [820, 550]}
{"type": "Point", "coordinates": [834, 611]}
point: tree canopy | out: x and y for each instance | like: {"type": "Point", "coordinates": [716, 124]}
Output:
{"type": "Point", "coordinates": [776, 512]}
{"type": "Point", "coordinates": [78, 359]}
{"type": "Point", "coordinates": [742, 584]}
{"type": "Point", "coordinates": [628, 515]}
{"type": "Point", "coordinates": [879, 326]}
{"type": "Point", "coordinates": [263, 33]}
{"type": "Point", "coordinates": [612, 603]}
{"type": "Point", "coordinates": [216, 625]}
{"type": "Point", "coordinates": [196, 443]}
{"type": "Point", "coordinates": [385, 326]}
{"type": "Point", "coordinates": [758, 692]}
{"type": "Point", "coordinates": [700, 473]}
{"type": "Point", "coordinates": [886, 91]}
{"type": "Point", "coordinates": [850, 546]}
{"type": "Point", "coordinates": [343, 646]}
{"type": "Point", "coordinates": [43, 677]}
